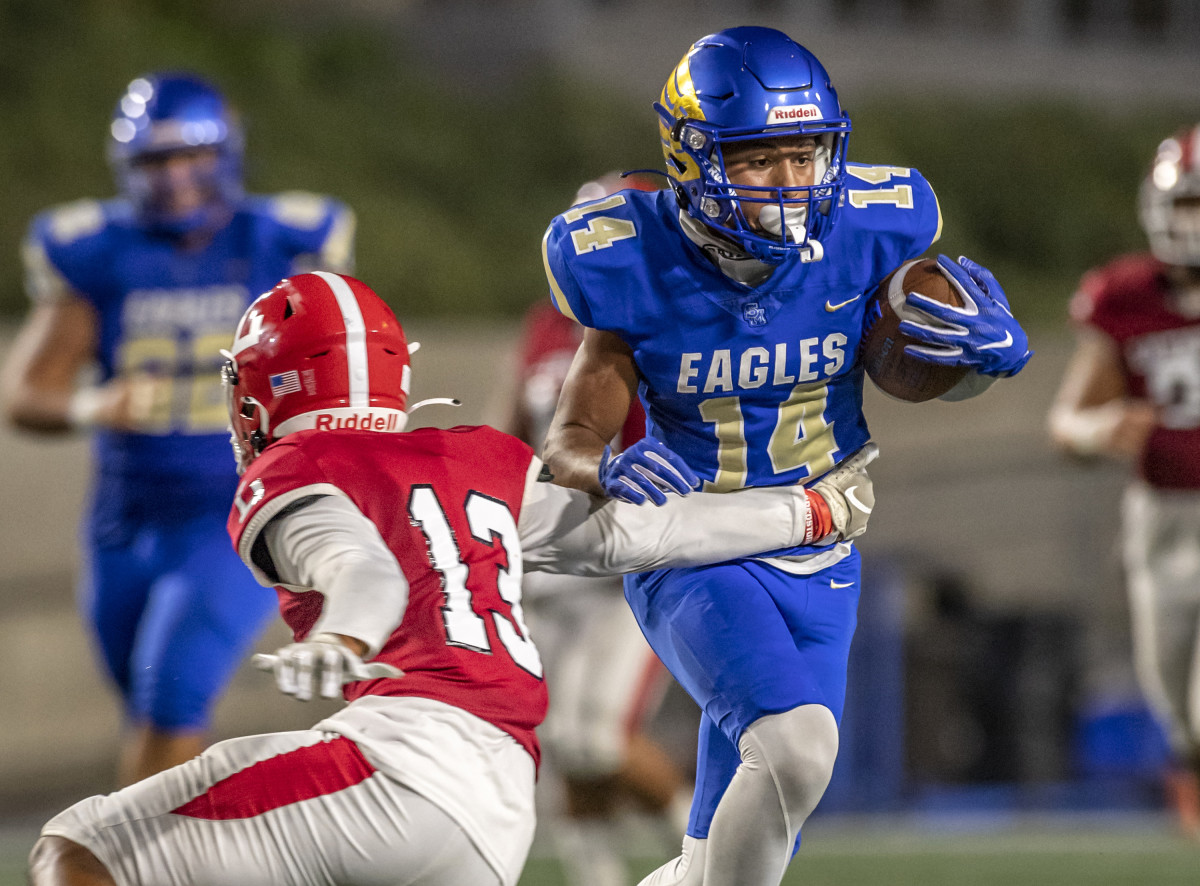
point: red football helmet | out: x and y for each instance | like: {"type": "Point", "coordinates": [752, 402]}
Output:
{"type": "Point", "coordinates": [1170, 200]}
{"type": "Point", "coordinates": [610, 183]}
{"type": "Point", "coordinates": [319, 351]}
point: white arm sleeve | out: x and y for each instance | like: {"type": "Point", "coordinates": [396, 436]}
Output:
{"type": "Point", "coordinates": [565, 530]}
{"type": "Point", "coordinates": [329, 547]}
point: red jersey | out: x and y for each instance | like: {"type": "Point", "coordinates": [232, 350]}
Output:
{"type": "Point", "coordinates": [1129, 301]}
{"type": "Point", "coordinates": [446, 503]}
{"type": "Point", "coordinates": [548, 344]}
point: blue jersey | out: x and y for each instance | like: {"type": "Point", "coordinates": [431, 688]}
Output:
{"type": "Point", "coordinates": [167, 311]}
{"type": "Point", "coordinates": [752, 386]}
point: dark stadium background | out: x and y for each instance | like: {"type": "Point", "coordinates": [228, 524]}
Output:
{"type": "Point", "coordinates": [993, 731]}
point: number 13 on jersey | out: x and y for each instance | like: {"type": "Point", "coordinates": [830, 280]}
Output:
{"type": "Point", "coordinates": [491, 523]}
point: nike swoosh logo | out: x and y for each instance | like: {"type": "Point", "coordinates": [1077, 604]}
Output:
{"type": "Point", "coordinates": [999, 344]}
{"type": "Point", "coordinates": [853, 499]}
{"type": "Point", "coordinates": [831, 307]}
{"type": "Point", "coordinates": [837, 585]}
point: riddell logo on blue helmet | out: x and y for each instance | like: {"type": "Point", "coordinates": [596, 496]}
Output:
{"type": "Point", "coordinates": [788, 113]}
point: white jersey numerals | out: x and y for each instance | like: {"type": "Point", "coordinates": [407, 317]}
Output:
{"type": "Point", "coordinates": [491, 523]}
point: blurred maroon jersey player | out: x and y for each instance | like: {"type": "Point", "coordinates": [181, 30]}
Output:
{"type": "Point", "coordinates": [1132, 390]}
{"type": "Point", "coordinates": [1133, 302]}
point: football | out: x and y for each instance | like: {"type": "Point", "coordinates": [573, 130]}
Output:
{"type": "Point", "coordinates": [894, 372]}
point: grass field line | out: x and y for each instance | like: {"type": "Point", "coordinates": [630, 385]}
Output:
{"type": "Point", "coordinates": [980, 834]}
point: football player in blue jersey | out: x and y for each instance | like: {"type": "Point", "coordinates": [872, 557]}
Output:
{"type": "Point", "coordinates": [145, 289]}
{"type": "Point", "coordinates": [733, 306]}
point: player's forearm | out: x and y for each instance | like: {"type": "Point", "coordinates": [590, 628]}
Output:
{"type": "Point", "coordinates": [42, 412]}
{"type": "Point", "coordinates": [572, 454]}
{"type": "Point", "coordinates": [567, 532]}
{"type": "Point", "coordinates": [364, 599]}
{"type": "Point", "coordinates": [1118, 428]}
{"type": "Point", "coordinates": [39, 378]}
{"type": "Point", "coordinates": [331, 547]}
{"type": "Point", "coordinates": [706, 528]}
{"type": "Point", "coordinates": [36, 392]}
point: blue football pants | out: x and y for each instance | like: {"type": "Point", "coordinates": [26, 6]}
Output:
{"type": "Point", "coordinates": [746, 639]}
{"type": "Point", "coordinates": [173, 611]}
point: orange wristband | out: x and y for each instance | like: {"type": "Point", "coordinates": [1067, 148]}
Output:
{"type": "Point", "coordinates": [822, 519]}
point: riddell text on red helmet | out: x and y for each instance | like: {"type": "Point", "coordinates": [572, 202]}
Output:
{"type": "Point", "coordinates": [366, 421]}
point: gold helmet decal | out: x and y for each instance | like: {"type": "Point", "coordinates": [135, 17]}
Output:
{"type": "Point", "coordinates": [680, 101]}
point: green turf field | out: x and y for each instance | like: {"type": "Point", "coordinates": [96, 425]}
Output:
{"type": "Point", "coordinates": [1048, 851]}
{"type": "Point", "coordinates": [1042, 852]}
{"type": "Point", "coordinates": [1029, 855]}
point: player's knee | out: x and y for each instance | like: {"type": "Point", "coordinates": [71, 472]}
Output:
{"type": "Point", "coordinates": [799, 747]}
{"type": "Point", "coordinates": [57, 861]}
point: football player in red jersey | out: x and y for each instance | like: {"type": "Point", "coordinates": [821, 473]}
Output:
{"type": "Point", "coordinates": [605, 681]}
{"type": "Point", "coordinates": [1132, 390]}
{"type": "Point", "coordinates": [397, 558]}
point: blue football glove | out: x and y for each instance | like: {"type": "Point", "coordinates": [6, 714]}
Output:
{"type": "Point", "coordinates": [646, 470]}
{"type": "Point", "coordinates": [982, 334]}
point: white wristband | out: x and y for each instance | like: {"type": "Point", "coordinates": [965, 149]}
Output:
{"type": "Point", "coordinates": [1086, 431]}
{"type": "Point", "coordinates": [83, 407]}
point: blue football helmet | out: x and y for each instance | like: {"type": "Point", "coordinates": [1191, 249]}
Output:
{"type": "Point", "coordinates": [746, 84]}
{"type": "Point", "coordinates": [164, 112]}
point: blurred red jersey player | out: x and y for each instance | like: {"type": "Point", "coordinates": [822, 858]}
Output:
{"type": "Point", "coordinates": [1132, 391]}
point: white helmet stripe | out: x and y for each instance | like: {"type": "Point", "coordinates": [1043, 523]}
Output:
{"type": "Point", "coordinates": [356, 337]}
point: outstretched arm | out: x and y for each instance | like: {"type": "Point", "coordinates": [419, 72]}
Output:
{"type": "Point", "coordinates": [1092, 412]}
{"type": "Point", "coordinates": [563, 530]}
{"type": "Point", "coordinates": [327, 546]}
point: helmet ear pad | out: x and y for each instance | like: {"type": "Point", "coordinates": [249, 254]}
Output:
{"type": "Point", "coordinates": [319, 351]}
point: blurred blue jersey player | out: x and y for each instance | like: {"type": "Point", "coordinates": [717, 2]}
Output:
{"type": "Point", "coordinates": [145, 288]}
{"type": "Point", "coordinates": [733, 306]}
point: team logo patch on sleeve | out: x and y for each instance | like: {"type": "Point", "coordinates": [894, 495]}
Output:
{"type": "Point", "coordinates": [285, 383]}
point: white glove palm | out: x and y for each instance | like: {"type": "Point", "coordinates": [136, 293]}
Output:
{"type": "Point", "coordinates": [320, 664]}
{"type": "Point", "coordinates": [848, 491]}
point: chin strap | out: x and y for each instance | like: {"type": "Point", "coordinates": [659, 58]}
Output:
{"type": "Point", "coordinates": [814, 251]}
{"type": "Point", "coordinates": [434, 401]}
{"type": "Point", "coordinates": [413, 347]}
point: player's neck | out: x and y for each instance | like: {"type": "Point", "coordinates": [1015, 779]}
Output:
{"type": "Point", "coordinates": [198, 238]}
{"type": "Point", "coordinates": [738, 266]}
